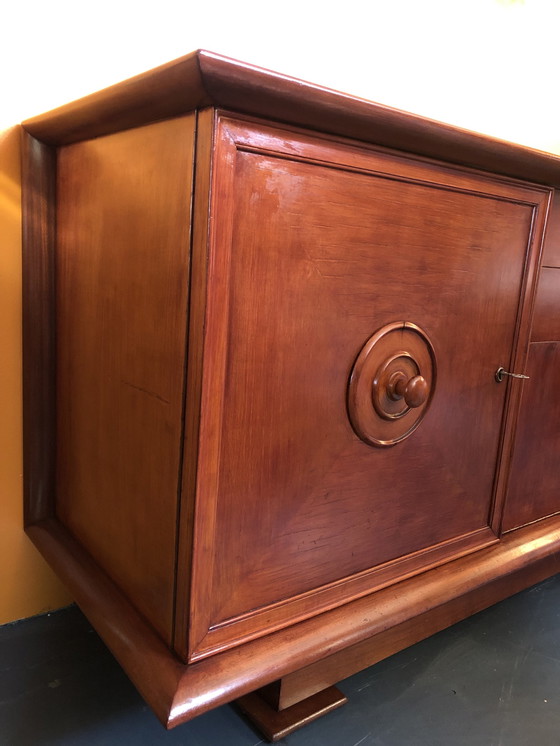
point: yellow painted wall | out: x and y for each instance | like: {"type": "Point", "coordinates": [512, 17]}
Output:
{"type": "Point", "coordinates": [486, 65]}
{"type": "Point", "coordinates": [27, 586]}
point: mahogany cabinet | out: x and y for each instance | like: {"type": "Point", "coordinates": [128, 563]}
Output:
{"type": "Point", "coordinates": [271, 434]}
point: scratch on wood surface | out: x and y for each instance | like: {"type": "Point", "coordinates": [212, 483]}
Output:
{"type": "Point", "coordinates": [145, 391]}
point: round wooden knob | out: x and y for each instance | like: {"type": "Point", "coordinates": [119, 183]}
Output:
{"type": "Point", "coordinates": [392, 384]}
{"type": "Point", "coordinates": [415, 391]}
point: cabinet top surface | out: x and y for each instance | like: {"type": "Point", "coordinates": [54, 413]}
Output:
{"type": "Point", "coordinates": [202, 79]}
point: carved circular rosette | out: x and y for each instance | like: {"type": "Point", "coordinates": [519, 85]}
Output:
{"type": "Point", "coordinates": [392, 384]}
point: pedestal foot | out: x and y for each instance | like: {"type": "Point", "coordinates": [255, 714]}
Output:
{"type": "Point", "coordinates": [275, 724]}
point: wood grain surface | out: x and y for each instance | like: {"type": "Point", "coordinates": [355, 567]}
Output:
{"type": "Point", "coordinates": [38, 322]}
{"type": "Point", "coordinates": [179, 692]}
{"type": "Point", "coordinates": [195, 355]}
{"type": "Point", "coordinates": [122, 282]}
{"type": "Point", "coordinates": [315, 246]}
{"type": "Point", "coordinates": [551, 253]}
{"type": "Point", "coordinates": [207, 79]}
{"type": "Point", "coordinates": [277, 724]}
{"type": "Point", "coordinates": [546, 315]}
{"type": "Point", "coordinates": [534, 485]}
{"type": "Point", "coordinates": [208, 247]}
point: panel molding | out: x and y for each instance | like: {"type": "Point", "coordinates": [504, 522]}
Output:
{"type": "Point", "coordinates": [205, 78]}
{"type": "Point", "coordinates": [208, 635]}
{"type": "Point", "coordinates": [180, 692]}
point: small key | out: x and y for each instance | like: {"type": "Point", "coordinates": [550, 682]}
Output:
{"type": "Point", "coordinates": [501, 372]}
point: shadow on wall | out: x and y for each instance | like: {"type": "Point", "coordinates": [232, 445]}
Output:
{"type": "Point", "coordinates": [27, 585]}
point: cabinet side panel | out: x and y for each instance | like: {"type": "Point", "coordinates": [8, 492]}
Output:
{"type": "Point", "coordinates": [122, 283]}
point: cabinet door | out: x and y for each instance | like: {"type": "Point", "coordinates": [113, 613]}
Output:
{"type": "Point", "coordinates": [534, 484]}
{"type": "Point", "coordinates": [314, 246]}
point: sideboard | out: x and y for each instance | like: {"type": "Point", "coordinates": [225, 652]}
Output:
{"type": "Point", "coordinates": [291, 379]}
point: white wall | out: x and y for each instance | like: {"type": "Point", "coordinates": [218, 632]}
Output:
{"type": "Point", "coordinates": [487, 65]}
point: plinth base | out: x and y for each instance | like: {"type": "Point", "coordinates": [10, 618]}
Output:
{"type": "Point", "coordinates": [275, 724]}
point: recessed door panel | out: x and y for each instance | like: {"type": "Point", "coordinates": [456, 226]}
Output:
{"type": "Point", "coordinates": [320, 246]}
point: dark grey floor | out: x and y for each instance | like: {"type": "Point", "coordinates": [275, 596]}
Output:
{"type": "Point", "coordinates": [492, 680]}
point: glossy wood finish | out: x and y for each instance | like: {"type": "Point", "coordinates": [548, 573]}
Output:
{"type": "Point", "coordinates": [315, 245]}
{"type": "Point", "coordinates": [39, 354]}
{"type": "Point", "coordinates": [277, 724]}
{"type": "Point", "coordinates": [546, 317]}
{"type": "Point", "coordinates": [150, 665]}
{"type": "Point", "coordinates": [195, 355]}
{"type": "Point", "coordinates": [551, 254]}
{"type": "Point", "coordinates": [391, 384]}
{"type": "Point", "coordinates": [207, 79]}
{"type": "Point", "coordinates": [534, 489]}
{"type": "Point", "coordinates": [334, 668]}
{"type": "Point", "coordinates": [216, 517]}
{"type": "Point", "coordinates": [168, 91]}
{"type": "Point", "coordinates": [430, 602]}
{"type": "Point", "coordinates": [122, 282]}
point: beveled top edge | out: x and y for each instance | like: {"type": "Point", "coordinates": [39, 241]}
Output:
{"type": "Point", "coordinates": [166, 91]}
{"type": "Point", "coordinates": [204, 78]}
